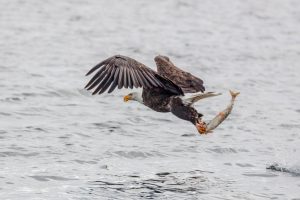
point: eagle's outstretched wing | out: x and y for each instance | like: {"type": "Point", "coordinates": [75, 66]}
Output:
{"type": "Point", "coordinates": [126, 72]}
{"type": "Point", "coordinates": [188, 82]}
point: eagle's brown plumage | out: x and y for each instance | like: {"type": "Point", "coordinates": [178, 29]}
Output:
{"type": "Point", "coordinates": [162, 90]}
{"type": "Point", "coordinates": [188, 82]}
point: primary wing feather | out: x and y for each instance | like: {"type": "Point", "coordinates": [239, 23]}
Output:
{"type": "Point", "coordinates": [121, 71]}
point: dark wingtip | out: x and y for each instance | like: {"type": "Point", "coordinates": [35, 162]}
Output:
{"type": "Point", "coordinates": [87, 74]}
{"type": "Point", "coordinates": [104, 62]}
{"type": "Point", "coordinates": [92, 70]}
{"type": "Point", "coordinates": [87, 85]}
{"type": "Point", "coordinates": [95, 92]}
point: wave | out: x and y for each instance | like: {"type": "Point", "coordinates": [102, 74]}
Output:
{"type": "Point", "coordinates": [294, 170]}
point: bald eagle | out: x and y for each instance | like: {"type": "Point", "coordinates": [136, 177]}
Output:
{"type": "Point", "coordinates": [163, 91]}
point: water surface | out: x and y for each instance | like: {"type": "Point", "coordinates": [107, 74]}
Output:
{"type": "Point", "coordinates": [58, 143]}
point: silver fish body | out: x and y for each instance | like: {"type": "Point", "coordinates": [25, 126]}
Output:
{"type": "Point", "coordinates": [204, 128]}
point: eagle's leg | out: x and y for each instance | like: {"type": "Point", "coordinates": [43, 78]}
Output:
{"type": "Point", "coordinates": [188, 113]}
{"type": "Point", "coordinates": [201, 126]}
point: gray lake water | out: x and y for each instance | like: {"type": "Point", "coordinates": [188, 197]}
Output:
{"type": "Point", "coordinates": [57, 142]}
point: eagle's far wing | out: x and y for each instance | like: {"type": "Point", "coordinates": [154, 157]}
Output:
{"type": "Point", "coordinates": [188, 82]}
{"type": "Point", "coordinates": [126, 72]}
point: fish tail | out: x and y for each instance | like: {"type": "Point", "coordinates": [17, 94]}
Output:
{"type": "Point", "coordinates": [234, 94]}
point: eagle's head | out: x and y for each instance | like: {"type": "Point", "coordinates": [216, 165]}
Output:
{"type": "Point", "coordinates": [134, 96]}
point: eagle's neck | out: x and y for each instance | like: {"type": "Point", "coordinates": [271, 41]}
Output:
{"type": "Point", "coordinates": [137, 96]}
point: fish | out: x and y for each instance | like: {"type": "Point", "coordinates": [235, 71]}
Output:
{"type": "Point", "coordinates": [207, 127]}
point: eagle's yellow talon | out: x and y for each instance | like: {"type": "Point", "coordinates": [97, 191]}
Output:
{"type": "Point", "coordinates": [201, 127]}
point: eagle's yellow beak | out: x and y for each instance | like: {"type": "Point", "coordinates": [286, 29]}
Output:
{"type": "Point", "coordinates": [127, 98]}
